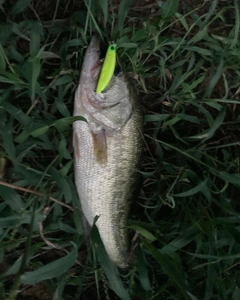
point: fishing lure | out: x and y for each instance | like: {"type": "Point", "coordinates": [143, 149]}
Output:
{"type": "Point", "coordinates": [107, 68]}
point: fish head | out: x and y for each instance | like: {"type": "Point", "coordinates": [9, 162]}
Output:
{"type": "Point", "coordinates": [91, 64]}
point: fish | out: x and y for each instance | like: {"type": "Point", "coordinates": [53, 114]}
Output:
{"type": "Point", "coordinates": [107, 153]}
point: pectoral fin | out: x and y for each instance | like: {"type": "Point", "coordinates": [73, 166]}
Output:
{"type": "Point", "coordinates": [76, 146]}
{"type": "Point", "coordinates": [100, 147]}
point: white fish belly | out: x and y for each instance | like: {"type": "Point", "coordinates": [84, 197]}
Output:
{"type": "Point", "coordinates": [105, 191]}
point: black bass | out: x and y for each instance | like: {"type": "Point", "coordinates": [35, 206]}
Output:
{"type": "Point", "coordinates": [107, 149]}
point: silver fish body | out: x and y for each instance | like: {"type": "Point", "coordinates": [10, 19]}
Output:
{"type": "Point", "coordinates": [107, 150]}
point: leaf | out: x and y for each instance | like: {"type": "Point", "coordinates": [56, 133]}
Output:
{"type": "Point", "coordinates": [127, 45]}
{"type": "Point", "coordinates": [170, 267]}
{"type": "Point", "coordinates": [142, 270]}
{"type": "Point", "coordinates": [16, 54]}
{"type": "Point", "coordinates": [155, 118]}
{"type": "Point", "coordinates": [195, 83]}
{"type": "Point", "coordinates": [64, 122]}
{"type": "Point", "coordinates": [1, 255]}
{"type": "Point", "coordinates": [23, 136]}
{"type": "Point", "coordinates": [235, 40]}
{"type": "Point", "coordinates": [17, 114]}
{"type": "Point", "coordinates": [59, 101]}
{"type": "Point", "coordinates": [62, 184]}
{"type": "Point", "coordinates": [11, 78]}
{"type": "Point", "coordinates": [183, 20]}
{"type": "Point", "coordinates": [232, 178]}
{"type": "Point", "coordinates": [192, 297]}
{"type": "Point", "coordinates": [22, 219]}
{"type": "Point", "coordinates": [104, 7]}
{"type": "Point", "coordinates": [60, 288]}
{"type": "Point", "coordinates": [14, 267]}
{"type": "Point", "coordinates": [59, 124]}
{"type": "Point", "coordinates": [51, 270]}
{"type": "Point", "coordinates": [12, 198]}
{"type": "Point", "coordinates": [207, 134]}
{"type": "Point", "coordinates": [62, 80]}
{"type": "Point", "coordinates": [139, 35]}
{"type": "Point", "coordinates": [122, 12]}
{"type": "Point", "coordinates": [145, 233]}
{"type": "Point", "coordinates": [189, 118]}
{"type": "Point", "coordinates": [17, 264]}
{"type": "Point", "coordinates": [36, 68]}
{"type": "Point", "coordinates": [46, 54]}
{"type": "Point", "coordinates": [3, 58]}
{"type": "Point", "coordinates": [62, 148]}
{"type": "Point", "coordinates": [214, 78]}
{"type": "Point", "coordinates": [204, 52]}
{"type": "Point", "coordinates": [5, 33]}
{"type": "Point", "coordinates": [202, 187]}
{"type": "Point", "coordinates": [35, 37]}
{"type": "Point", "coordinates": [236, 293]}
{"type": "Point", "coordinates": [72, 43]}
{"type": "Point", "coordinates": [181, 241]}
{"type": "Point", "coordinates": [65, 227]}
{"type": "Point", "coordinates": [168, 9]}
{"type": "Point", "coordinates": [204, 111]}
{"type": "Point", "coordinates": [7, 140]}
{"type": "Point", "coordinates": [40, 131]}
{"type": "Point", "coordinates": [64, 171]}
{"type": "Point", "coordinates": [108, 266]}
{"type": "Point", "coordinates": [199, 35]}
{"type": "Point", "coordinates": [20, 6]}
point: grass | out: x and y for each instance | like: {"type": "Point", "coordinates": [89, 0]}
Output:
{"type": "Point", "coordinates": [185, 61]}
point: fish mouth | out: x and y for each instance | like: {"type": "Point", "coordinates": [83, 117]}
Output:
{"type": "Point", "coordinates": [92, 64]}
{"type": "Point", "coordinates": [92, 56]}
{"type": "Point", "coordinates": [95, 43]}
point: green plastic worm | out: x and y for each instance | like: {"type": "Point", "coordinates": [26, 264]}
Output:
{"type": "Point", "coordinates": [107, 68]}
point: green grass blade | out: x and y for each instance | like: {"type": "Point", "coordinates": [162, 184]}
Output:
{"type": "Point", "coordinates": [36, 68]}
{"type": "Point", "coordinates": [11, 197]}
{"type": "Point", "coordinates": [122, 13]}
{"type": "Point", "coordinates": [170, 267]}
{"type": "Point", "coordinates": [20, 6]}
{"type": "Point", "coordinates": [214, 78]}
{"type": "Point", "coordinates": [35, 38]}
{"type": "Point", "coordinates": [109, 268]}
{"type": "Point", "coordinates": [3, 58]}
{"type": "Point", "coordinates": [168, 9]}
{"type": "Point", "coordinates": [104, 7]}
{"type": "Point", "coordinates": [143, 272]}
{"type": "Point", "coordinates": [62, 183]}
{"type": "Point", "coordinates": [51, 270]}
{"type": "Point", "coordinates": [236, 28]}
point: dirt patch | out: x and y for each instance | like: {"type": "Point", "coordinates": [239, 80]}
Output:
{"type": "Point", "coordinates": [38, 291]}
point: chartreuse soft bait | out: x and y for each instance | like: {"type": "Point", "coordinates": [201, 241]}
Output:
{"type": "Point", "coordinates": [107, 68]}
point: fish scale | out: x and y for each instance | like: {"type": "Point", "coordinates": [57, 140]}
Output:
{"type": "Point", "coordinates": [107, 152]}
